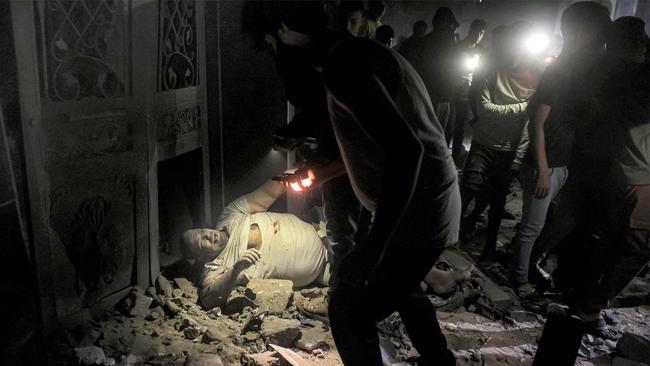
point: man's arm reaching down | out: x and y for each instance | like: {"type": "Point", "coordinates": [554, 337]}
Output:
{"type": "Point", "coordinates": [217, 284]}
{"type": "Point", "coordinates": [263, 197]}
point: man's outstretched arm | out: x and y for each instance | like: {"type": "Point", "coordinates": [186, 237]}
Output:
{"type": "Point", "coordinates": [265, 196]}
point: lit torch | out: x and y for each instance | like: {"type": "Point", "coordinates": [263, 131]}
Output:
{"type": "Point", "coordinates": [300, 181]}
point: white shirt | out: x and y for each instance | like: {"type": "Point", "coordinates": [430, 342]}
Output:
{"type": "Point", "coordinates": [291, 248]}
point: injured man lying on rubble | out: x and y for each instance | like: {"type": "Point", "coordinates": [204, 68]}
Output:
{"type": "Point", "coordinates": [251, 242]}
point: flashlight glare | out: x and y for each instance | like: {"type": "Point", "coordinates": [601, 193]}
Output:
{"type": "Point", "coordinates": [537, 43]}
{"type": "Point", "coordinates": [295, 186]}
{"type": "Point", "coordinates": [471, 62]}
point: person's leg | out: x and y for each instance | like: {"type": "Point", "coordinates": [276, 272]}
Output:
{"type": "Point", "coordinates": [342, 211]}
{"type": "Point", "coordinates": [499, 180]}
{"type": "Point", "coordinates": [443, 112]}
{"type": "Point", "coordinates": [353, 326]}
{"type": "Point", "coordinates": [533, 218]}
{"type": "Point", "coordinates": [443, 282]}
{"type": "Point", "coordinates": [462, 116]}
{"type": "Point", "coordinates": [473, 176]}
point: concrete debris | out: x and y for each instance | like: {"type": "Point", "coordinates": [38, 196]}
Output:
{"type": "Point", "coordinates": [236, 303]}
{"type": "Point", "coordinates": [289, 356]}
{"type": "Point", "coordinates": [90, 355]}
{"type": "Point", "coordinates": [634, 347]}
{"type": "Point", "coordinates": [282, 332]}
{"type": "Point", "coordinates": [204, 360]}
{"type": "Point", "coordinates": [216, 334]}
{"type": "Point", "coordinates": [156, 313]}
{"type": "Point", "coordinates": [135, 304]}
{"type": "Point", "coordinates": [189, 290]}
{"type": "Point", "coordinates": [151, 292]}
{"type": "Point", "coordinates": [176, 293]}
{"type": "Point", "coordinates": [163, 286]}
{"type": "Point", "coordinates": [313, 338]}
{"type": "Point", "coordinates": [272, 296]}
{"type": "Point", "coordinates": [171, 309]}
{"type": "Point", "coordinates": [261, 359]}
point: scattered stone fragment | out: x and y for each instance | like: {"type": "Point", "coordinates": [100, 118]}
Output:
{"type": "Point", "coordinates": [272, 296]}
{"type": "Point", "coordinates": [204, 360]}
{"type": "Point", "coordinates": [176, 293]}
{"type": "Point", "coordinates": [163, 286]}
{"type": "Point", "coordinates": [135, 304]}
{"type": "Point", "coordinates": [261, 359]}
{"type": "Point", "coordinates": [156, 313]}
{"type": "Point", "coordinates": [318, 353]}
{"type": "Point", "coordinates": [171, 309]}
{"type": "Point", "coordinates": [291, 357]}
{"type": "Point", "coordinates": [151, 292]}
{"type": "Point", "coordinates": [187, 287]}
{"type": "Point", "coordinates": [313, 338]}
{"type": "Point", "coordinates": [90, 355]}
{"type": "Point", "coordinates": [634, 347]}
{"type": "Point", "coordinates": [282, 332]}
{"type": "Point", "coordinates": [236, 303]}
{"type": "Point", "coordinates": [252, 322]}
{"type": "Point", "coordinates": [216, 334]}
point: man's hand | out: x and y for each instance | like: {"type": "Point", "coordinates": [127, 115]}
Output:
{"type": "Point", "coordinates": [543, 184]}
{"type": "Point", "coordinates": [249, 258]}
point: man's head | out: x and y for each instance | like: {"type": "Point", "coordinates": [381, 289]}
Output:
{"type": "Point", "coordinates": [583, 26]}
{"type": "Point", "coordinates": [385, 35]}
{"type": "Point", "coordinates": [203, 243]}
{"type": "Point", "coordinates": [300, 23]}
{"type": "Point", "coordinates": [627, 39]}
{"type": "Point", "coordinates": [353, 16]}
{"type": "Point", "coordinates": [420, 28]}
{"type": "Point", "coordinates": [376, 8]}
{"type": "Point", "coordinates": [445, 21]}
{"type": "Point", "coordinates": [476, 31]}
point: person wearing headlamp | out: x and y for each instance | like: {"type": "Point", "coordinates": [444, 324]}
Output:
{"type": "Point", "coordinates": [496, 150]}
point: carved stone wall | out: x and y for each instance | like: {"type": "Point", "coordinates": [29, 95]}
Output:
{"type": "Point", "coordinates": [177, 59]}
{"type": "Point", "coordinates": [177, 123]}
{"type": "Point", "coordinates": [85, 48]}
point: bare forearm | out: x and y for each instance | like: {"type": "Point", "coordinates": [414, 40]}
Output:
{"type": "Point", "coordinates": [330, 171]}
{"type": "Point", "coordinates": [216, 288]}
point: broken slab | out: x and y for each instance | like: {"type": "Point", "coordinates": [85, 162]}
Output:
{"type": "Point", "coordinates": [205, 360]}
{"type": "Point", "coordinates": [163, 286]}
{"type": "Point", "coordinates": [236, 303]}
{"type": "Point", "coordinates": [283, 332]}
{"type": "Point", "coordinates": [272, 296]}
{"type": "Point", "coordinates": [188, 288]}
{"type": "Point", "coordinates": [135, 304]}
{"type": "Point", "coordinates": [289, 356]}
{"type": "Point", "coordinates": [261, 359]}
{"type": "Point", "coordinates": [634, 347]}
{"type": "Point", "coordinates": [217, 334]}
{"type": "Point", "coordinates": [313, 338]}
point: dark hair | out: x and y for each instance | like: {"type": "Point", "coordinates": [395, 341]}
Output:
{"type": "Point", "coordinates": [376, 8]}
{"type": "Point", "coordinates": [384, 33]}
{"type": "Point", "coordinates": [420, 24]}
{"type": "Point", "coordinates": [585, 16]}
{"type": "Point", "coordinates": [478, 24]}
{"type": "Point", "coordinates": [444, 14]}
{"type": "Point", "coordinates": [627, 35]}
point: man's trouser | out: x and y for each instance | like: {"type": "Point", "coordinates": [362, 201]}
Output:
{"type": "Point", "coordinates": [462, 114]}
{"type": "Point", "coordinates": [533, 217]}
{"type": "Point", "coordinates": [395, 286]}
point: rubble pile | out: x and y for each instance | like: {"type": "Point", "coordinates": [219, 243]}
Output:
{"type": "Point", "coordinates": [164, 325]}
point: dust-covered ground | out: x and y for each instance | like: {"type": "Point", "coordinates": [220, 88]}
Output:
{"type": "Point", "coordinates": [266, 323]}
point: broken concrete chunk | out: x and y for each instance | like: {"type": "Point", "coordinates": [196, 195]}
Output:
{"type": "Point", "coordinates": [205, 360]}
{"type": "Point", "coordinates": [171, 309]}
{"type": "Point", "coordinates": [135, 304]}
{"type": "Point", "coordinates": [156, 313]}
{"type": "Point", "coordinates": [90, 355]}
{"type": "Point", "coordinates": [283, 332]}
{"type": "Point", "coordinates": [261, 359]}
{"type": "Point", "coordinates": [272, 296]}
{"type": "Point", "coordinates": [634, 347]}
{"type": "Point", "coordinates": [188, 288]}
{"type": "Point", "coordinates": [163, 286]}
{"type": "Point", "coordinates": [151, 292]}
{"type": "Point", "coordinates": [289, 356]}
{"type": "Point", "coordinates": [176, 293]}
{"type": "Point", "coordinates": [236, 303]}
{"type": "Point", "coordinates": [313, 338]}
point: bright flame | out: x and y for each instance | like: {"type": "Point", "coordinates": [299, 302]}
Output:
{"type": "Point", "coordinates": [537, 43]}
{"type": "Point", "coordinates": [471, 62]}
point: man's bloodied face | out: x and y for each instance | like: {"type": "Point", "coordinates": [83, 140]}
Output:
{"type": "Point", "coordinates": [203, 243]}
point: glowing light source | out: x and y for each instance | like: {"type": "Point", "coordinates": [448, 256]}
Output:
{"type": "Point", "coordinates": [537, 43]}
{"type": "Point", "coordinates": [472, 62]}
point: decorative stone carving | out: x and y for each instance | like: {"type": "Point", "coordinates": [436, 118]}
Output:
{"type": "Point", "coordinates": [177, 61]}
{"type": "Point", "coordinates": [178, 123]}
{"type": "Point", "coordinates": [85, 46]}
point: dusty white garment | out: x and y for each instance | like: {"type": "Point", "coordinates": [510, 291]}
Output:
{"type": "Point", "coordinates": [291, 248]}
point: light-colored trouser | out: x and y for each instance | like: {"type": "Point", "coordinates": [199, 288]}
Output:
{"type": "Point", "coordinates": [533, 217]}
